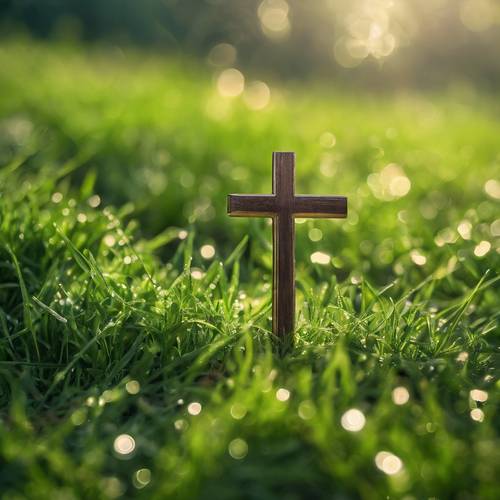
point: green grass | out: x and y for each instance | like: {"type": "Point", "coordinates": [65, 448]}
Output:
{"type": "Point", "coordinates": [111, 324]}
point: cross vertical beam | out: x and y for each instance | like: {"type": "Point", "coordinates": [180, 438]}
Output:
{"type": "Point", "coordinates": [283, 245]}
{"type": "Point", "coordinates": [283, 206]}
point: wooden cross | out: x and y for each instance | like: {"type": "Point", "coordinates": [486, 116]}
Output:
{"type": "Point", "coordinates": [283, 206]}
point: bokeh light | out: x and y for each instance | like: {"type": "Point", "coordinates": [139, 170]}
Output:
{"type": "Point", "coordinates": [353, 420]}
{"type": "Point", "coordinates": [222, 55]}
{"type": "Point", "coordinates": [388, 463]}
{"type": "Point", "coordinates": [238, 448]}
{"type": "Point", "coordinates": [207, 251]}
{"type": "Point", "coordinates": [320, 258]}
{"type": "Point", "coordinates": [194, 408]}
{"type": "Point", "coordinates": [478, 395]}
{"type": "Point", "coordinates": [400, 395]}
{"type": "Point", "coordinates": [257, 95]}
{"type": "Point", "coordinates": [230, 83]}
{"type": "Point", "coordinates": [124, 444]}
{"type": "Point", "coordinates": [282, 394]}
{"type": "Point", "coordinates": [273, 16]}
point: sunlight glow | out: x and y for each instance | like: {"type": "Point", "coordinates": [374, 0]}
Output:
{"type": "Point", "coordinates": [367, 32]}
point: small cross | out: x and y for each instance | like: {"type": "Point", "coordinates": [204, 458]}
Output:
{"type": "Point", "coordinates": [283, 206]}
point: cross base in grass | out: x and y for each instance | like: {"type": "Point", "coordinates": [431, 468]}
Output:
{"type": "Point", "coordinates": [283, 205]}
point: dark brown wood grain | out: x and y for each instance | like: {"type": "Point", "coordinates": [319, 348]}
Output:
{"type": "Point", "coordinates": [283, 206]}
{"type": "Point", "coordinates": [251, 205]}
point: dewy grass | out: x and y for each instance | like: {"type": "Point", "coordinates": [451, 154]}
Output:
{"type": "Point", "coordinates": [132, 366]}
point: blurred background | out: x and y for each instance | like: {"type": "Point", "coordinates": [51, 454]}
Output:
{"type": "Point", "coordinates": [362, 42]}
{"type": "Point", "coordinates": [166, 106]}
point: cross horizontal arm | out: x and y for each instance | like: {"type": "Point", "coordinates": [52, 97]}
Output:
{"type": "Point", "coordinates": [324, 207]}
{"type": "Point", "coordinates": [251, 205]}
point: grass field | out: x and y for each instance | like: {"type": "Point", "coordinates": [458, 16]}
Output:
{"type": "Point", "coordinates": [135, 363]}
